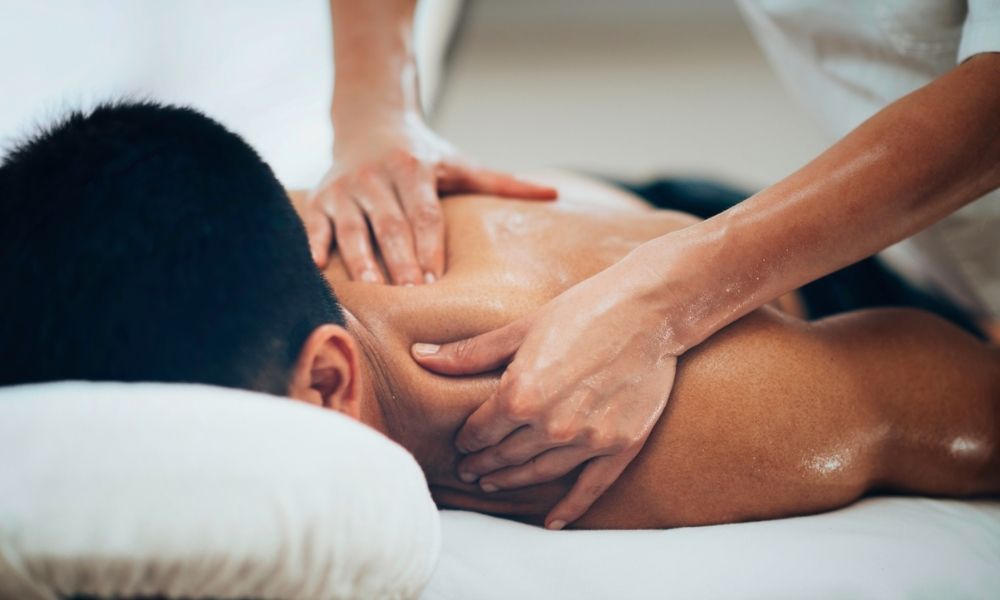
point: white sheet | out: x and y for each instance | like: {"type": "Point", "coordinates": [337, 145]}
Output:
{"type": "Point", "coordinates": [878, 548]}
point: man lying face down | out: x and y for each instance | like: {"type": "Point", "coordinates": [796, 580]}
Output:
{"type": "Point", "coordinates": [147, 243]}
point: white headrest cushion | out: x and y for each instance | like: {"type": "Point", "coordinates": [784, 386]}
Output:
{"type": "Point", "coordinates": [113, 489]}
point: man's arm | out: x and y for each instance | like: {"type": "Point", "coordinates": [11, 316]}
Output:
{"type": "Point", "coordinates": [774, 417]}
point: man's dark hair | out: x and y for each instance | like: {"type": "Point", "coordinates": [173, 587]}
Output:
{"type": "Point", "coordinates": [141, 242]}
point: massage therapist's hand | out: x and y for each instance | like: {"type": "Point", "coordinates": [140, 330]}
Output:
{"type": "Point", "coordinates": [590, 376]}
{"type": "Point", "coordinates": [387, 172]}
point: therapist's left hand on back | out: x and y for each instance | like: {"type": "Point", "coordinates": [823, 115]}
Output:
{"type": "Point", "coordinates": [590, 377]}
{"type": "Point", "coordinates": [387, 174]}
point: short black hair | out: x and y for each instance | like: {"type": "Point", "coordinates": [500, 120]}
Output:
{"type": "Point", "coordinates": [143, 242]}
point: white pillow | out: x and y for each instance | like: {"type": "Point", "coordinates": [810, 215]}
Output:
{"type": "Point", "coordinates": [113, 489]}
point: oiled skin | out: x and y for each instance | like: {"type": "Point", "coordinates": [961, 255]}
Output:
{"type": "Point", "coordinates": [770, 417]}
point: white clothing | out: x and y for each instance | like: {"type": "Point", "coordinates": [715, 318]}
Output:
{"type": "Point", "coordinates": [263, 68]}
{"type": "Point", "coordinates": [848, 59]}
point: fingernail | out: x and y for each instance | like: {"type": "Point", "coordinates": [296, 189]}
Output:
{"type": "Point", "coordinates": [467, 477]}
{"type": "Point", "coordinates": [409, 284]}
{"type": "Point", "coordinates": [426, 349]}
{"type": "Point", "coordinates": [556, 525]}
{"type": "Point", "coordinates": [429, 277]}
{"type": "Point", "coordinates": [369, 276]}
{"type": "Point", "coordinates": [489, 488]}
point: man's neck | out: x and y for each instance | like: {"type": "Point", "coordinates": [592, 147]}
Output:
{"type": "Point", "coordinates": [383, 407]}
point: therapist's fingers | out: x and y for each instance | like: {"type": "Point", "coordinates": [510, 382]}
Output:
{"type": "Point", "coordinates": [501, 414]}
{"type": "Point", "coordinates": [415, 186]}
{"type": "Point", "coordinates": [516, 449]}
{"type": "Point", "coordinates": [595, 479]}
{"type": "Point", "coordinates": [461, 177]}
{"type": "Point", "coordinates": [478, 354]}
{"type": "Point", "coordinates": [548, 466]}
{"type": "Point", "coordinates": [489, 424]}
{"type": "Point", "coordinates": [392, 231]}
{"type": "Point", "coordinates": [353, 240]}
{"type": "Point", "coordinates": [320, 235]}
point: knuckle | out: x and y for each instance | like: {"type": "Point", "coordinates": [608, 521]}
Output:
{"type": "Point", "coordinates": [593, 436]}
{"type": "Point", "coordinates": [616, 443]}
{"type": "Point", "coordinates": [404, 159]}
{"type": "Point", "coordinates": [390, 225]}
{"type": "Point", "coordinates": [427, 215]}
{"type": "Point", "coordinates": [634, 440]}
{"type": "Point", "coordinates": [559, 431]}
{"type": "Point", "coordinates": [463, 350]}
{"type": "Point", "coordinates": [506, 385]}
{"type": "Point", "coordinates": [520, 397]}
{"type": "Point", "coordinates": [475, 437]}
{"type": "Point", "coordinates": [351, 227]}
{"type": "Point", "coordinates": [517, 407]}
{"type": "Point", "coordinates": [520, 385]}
{"type": "Point", "coordinates": [366, 175]}
{"type": "Point", "coordinates": [355, 259]}
{"type": "Point", "coordinates": [506, 455]}
{"type": "Point", "coordinates": [338, 187]}
{"type": "Point", "coordinates": [610, 441]}
{"type": "Point", "coordinates": [591, 491]}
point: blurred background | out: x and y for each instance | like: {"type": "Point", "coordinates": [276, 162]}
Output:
{"type": "Point", "coordinates": [630, 88]}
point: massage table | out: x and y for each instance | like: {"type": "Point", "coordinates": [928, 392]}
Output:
{"type": "Point", "coordinates": [121, 490]}
{"type": "Point", "coordinates": [878, 548]}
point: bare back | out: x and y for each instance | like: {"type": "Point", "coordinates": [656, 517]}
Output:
{"type": "Point", "coordinates": [770, 417]}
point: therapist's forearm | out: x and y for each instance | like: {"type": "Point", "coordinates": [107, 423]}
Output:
{"type": "Point", "coordinates": [911, 164]}
{"type": "Point", "coordinates": [373, 52]}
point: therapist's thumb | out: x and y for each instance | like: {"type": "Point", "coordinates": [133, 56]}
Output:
{"type": "Point", "coordinates": [478, 354]}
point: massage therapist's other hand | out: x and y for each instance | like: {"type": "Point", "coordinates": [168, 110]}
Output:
{"type": "Point", "coordinates": [591, 374]}
{"type": "Point", "coordinates": [387, 172]}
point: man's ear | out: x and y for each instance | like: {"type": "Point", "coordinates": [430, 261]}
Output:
{"type": "Point", "coordinates": [328, 371]}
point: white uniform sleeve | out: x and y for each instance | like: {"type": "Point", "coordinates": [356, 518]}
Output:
{"type": "Point", "coordinates": [981, 31]}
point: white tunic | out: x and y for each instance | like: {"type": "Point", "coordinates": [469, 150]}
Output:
{"type": "Point", "coordinates": [846, 60]}
{"type": "Point", "coordinates": [263, 68]}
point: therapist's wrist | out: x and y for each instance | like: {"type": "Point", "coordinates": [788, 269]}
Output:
{"type": "Point", "coordinates": [679, 278]}
{"type": "Point", "coordinates": [387, 98]}
{"type": "Point", "coordinates": [654, 278]}
{"type": "Point", "coordinates": [368, 129]}
{"type": "Point", "coordinates": [384, 105]}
